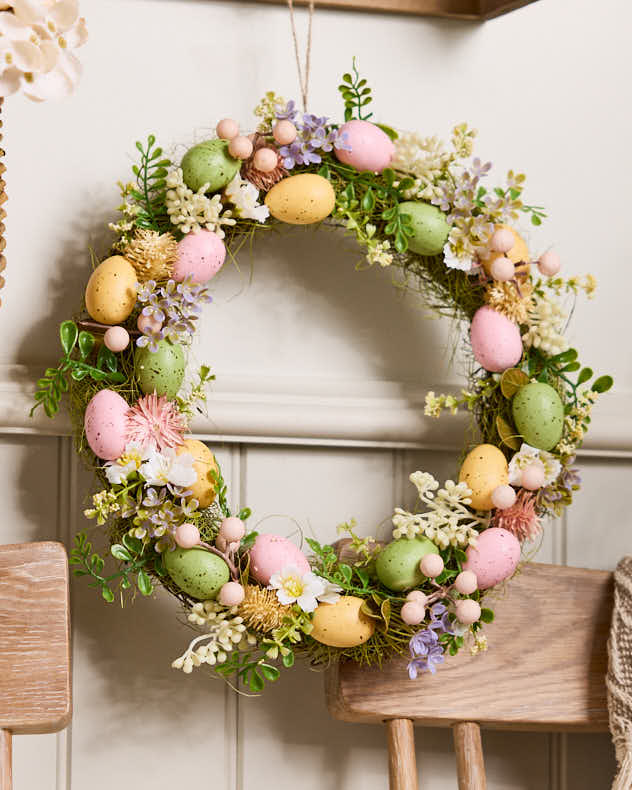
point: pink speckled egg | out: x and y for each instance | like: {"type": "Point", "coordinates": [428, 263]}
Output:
{"type": "Point", "coordinates": [495, 339]}
{"type": "Point", "coordinates": [105, 423]}
{"type": "Point", "coordinates": [494, 558]}
{"type": "Point", "coordinates": [371, 148]}
{"type": "Point", "coordinates": [271, 553]}
{"type": "Point", "coordinates": [200, 254]}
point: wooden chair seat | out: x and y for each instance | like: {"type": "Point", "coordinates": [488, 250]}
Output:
{"type": "Point", "coordinates": [545, 670]}
{"type": "Point", "coordinates": [35, 689]}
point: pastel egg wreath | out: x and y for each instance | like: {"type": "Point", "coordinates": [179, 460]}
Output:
{"type": "Point", "coordinates": [414, 204]}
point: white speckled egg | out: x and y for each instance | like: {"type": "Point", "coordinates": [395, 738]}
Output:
{"type": "Point", "coordinates": [105, 423]}
{"type": "Point", "coordinates": [495, 339]}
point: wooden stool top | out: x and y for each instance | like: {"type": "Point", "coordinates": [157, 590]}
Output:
{"type": "Point", "coordinates": [35, 689]}
{"type": "Point", "coordinates": [545, 668]}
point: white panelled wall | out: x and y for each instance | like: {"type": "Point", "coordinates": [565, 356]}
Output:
{"type": "Point", "coordinates": [316, 413]}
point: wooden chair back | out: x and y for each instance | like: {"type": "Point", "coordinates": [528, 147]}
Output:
{"type": "Point", "coordinates": [545, 670]}
{"type": "Point", "coordinates": [35, 688]}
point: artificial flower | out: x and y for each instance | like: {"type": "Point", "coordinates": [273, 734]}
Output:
{"type": "Point", "coordinates": [528, 455]}
{"type": "Point", "coordinates": [164, 468]}
{"type": "Point", "coordinates": [152, 254]}
{"type": "Point", "coordinates": [244, 197]}
{"type": "Point", "coordinates": [546, 320]}
{"type": "Point", "coordinates": [191, 211]}
{"type": "Point", "coordinates": [117, 472]}
{"type": "Point", "coordinates": [292, 586]}
{"type": "Point", "coordinates": [521, 518]}
{"type": "Point", "coordinates": [155, 423]}
{"type": "Point", "coordinates": [261, 609]}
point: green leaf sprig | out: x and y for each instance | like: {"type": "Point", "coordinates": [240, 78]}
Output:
{"type": "Point", "coordinates": [356, 95]}
{"type": "Point", "coordinates": [151, 175]}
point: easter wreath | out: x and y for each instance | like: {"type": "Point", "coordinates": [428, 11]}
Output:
{"type": "Point", "coordinates": [414, 205]}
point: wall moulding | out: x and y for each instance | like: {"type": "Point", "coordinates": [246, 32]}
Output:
{"type": "Point", "coordinates": [317, 411]}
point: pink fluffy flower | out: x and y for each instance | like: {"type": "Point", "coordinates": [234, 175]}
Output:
{"type": "Point", "coordinates": [520, 519]}
{"type": "Point", "coordinates": [155, 423]}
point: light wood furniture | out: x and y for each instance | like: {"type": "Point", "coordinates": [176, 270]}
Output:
{"type": "Point", "coordinates": [452, 9]}
{"type": "Point", "coordinates": [545, 670]}
{"type": "Point", "coordinates": [34, 644]}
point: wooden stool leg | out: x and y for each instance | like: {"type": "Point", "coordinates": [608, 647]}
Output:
{"type": "Point", "coordinates": [470, 767]}
{"type": "Point", "coordinates": [402, 763]}
{"type": "Point", "coordinates": [5, 760]}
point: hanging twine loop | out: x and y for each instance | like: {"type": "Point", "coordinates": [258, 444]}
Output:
{"type": "Point", "coordinates": [303, 74]}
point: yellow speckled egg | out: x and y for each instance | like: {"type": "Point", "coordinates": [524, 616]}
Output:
{"type": "Point", "coordinates": [484, 469]}
{"type": "Point", "coordinates": [517, 254]}
{"type": "Point", "coordinates": [205, 465]}
{"type": "Point", "coordinates": [111, 291]}
{"type": "Point", "coordinates": [342, 624]}
{"type": "Point", "coordinates": [301, 199]}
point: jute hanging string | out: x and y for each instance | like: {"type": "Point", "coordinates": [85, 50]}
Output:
{"type": "Point", "coordinates": [303, 75]}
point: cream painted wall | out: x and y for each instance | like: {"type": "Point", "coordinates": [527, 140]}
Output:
{"type": "Point", "coordinates": [316, 390]}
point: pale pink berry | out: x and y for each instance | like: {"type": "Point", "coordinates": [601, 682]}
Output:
{"type": "Point", "coordinates": [265, 160]}
{"type": "Point", "coordinates": [467, 611]}
{"type": "Point", "coordinates": [232, 529]}
{"type": "Point", "coordinates": [466, 582]}
{"type": "Point", "coordinates": [116, 338]}
{"type": "Point", "coordinates": [502, 240]}
{"type": "Point", "coordinates": [284, 132]}
{"type": "Point", "coordinates": [221, 543]}
{"type": "Point", "coordinates": [549, 263]}
{"type": "Point", "coordinates": [231, 594]}
{"type": "Point", "coordinates": [413, 613]}
{"type": "Point", "coordinates": [533, 476]}
{"type": "Point", "coordinates": [502, 269]}
{"type": "Point", "coordinates": [503, 497]}
{"type": "Point", "coordinates": [416, 596]}
{"type": "Point", "coordinates": [187, 536]}
{"type": "Point", "coordinates": [147, 324]}
{"type": "Point", "coordinates": [240, 147]}
{"type": "Point", "coordinates": [431, 565]}
{"type": "Point", "coordinates": [227, 129]}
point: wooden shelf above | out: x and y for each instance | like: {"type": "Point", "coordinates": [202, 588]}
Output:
{"type": "Point", "coordinates": [451, 9]}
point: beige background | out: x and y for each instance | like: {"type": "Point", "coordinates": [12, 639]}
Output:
{"type": "Point", "coordinates": [321, 369]}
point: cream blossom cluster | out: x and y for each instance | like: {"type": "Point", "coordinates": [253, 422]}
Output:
{"type": "Point", "coordinates": [267, 109]}
{"type": "Point", "coordinates": [379, 252]}
{"type": "Point", "coordinates": [546, 319]}
{"type": "Point", "coordinates": [245, 198]}
{"type": "Point", "coordinates": [425, 158]}
{"type": "Point", "coordinates": [435, 404]}
{"type": "Point", "coordinates": [191, 211]}
{"type": "Point", "coordinates": [479, 643]}
{"type": "Point", "coordinates": [575, 423]}
{"type": "Point", "coordinates": [36, 42]}
{"type": "Point", "coordinates": [447, 521]}
{"type": "Point", "coordinates": [225, 630]}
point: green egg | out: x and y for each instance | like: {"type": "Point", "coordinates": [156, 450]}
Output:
{"type": "Point", "coordinates": [209, 163]}
{"type": "Point", "coordinates": [397, 565]}
{"type": "Point", "coordinates": [539, 415]}
{"type": "Point", "coordinates": [161, 371]}
{"type": "Point", "coordinates": [430, 227]}
{"type": "Point", "coordinates": [197, 572]}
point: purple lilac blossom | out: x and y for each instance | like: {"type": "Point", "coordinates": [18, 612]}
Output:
{"type": "Point", "coordinates": [177, 305]}
{"type": "Point", "coordinates": [425, 649]}
{"type": "Point", "coordinates": [313, 135]}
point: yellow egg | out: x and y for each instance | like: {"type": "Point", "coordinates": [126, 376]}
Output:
{"type": "Point", "coordinates": [205, 465]}
{"type": "Point", "coordinates": [517, 254]}
{"type": "Point", "coordinates": [111, 291]}
{"type": "Point", "coordinates": [342, 624]}
{"type": "Point", "coordinates": [301, 199]}
{"type": "Point", "coordinates": [484, 469]}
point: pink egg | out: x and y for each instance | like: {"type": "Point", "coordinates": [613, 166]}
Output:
{"type": "Point", "coordinates": [265, 160]}
{"type": "Point", "coordinates": [371, 148]}
{"type": "Point", "coordinates": [502, 240]}
{"type": "Point", "coordinates": [231, 594]}
{"type": "Point", "coordinates": [503, 497]}
{"type": "Point", "coordinates": [467, 611]}
{"type": "Point", "coordinates": [496, 341]}
{"type": "Point", "coordinates": [227, 129]}
{"type": "Point", "coordinates": [502, 269]}
{"type": "Point", "coordinates": [116, 338]}
{"type": "Point", "coordinates": [240, 147]}
{"type": "Point", "coordinates": [105, 423]}
{"type": "Point", "coordinates": [494, 558]}
{"type": "Point", "coordinates": [148, 324]}
{"type": "Point", "coordinates": [549, 263]}
{"type": "Point", "coordinates": [284, 132]}
{"type": "Point", "coordinates": [200, 254]}
{"type": "Point", "coordinates": [232, 529]}
{"type": "Point", "coordinates": [187, 536]}
{"type": "Point", "coordinates": [413, 612]}
{"type": "Point", "coordinates": [532, 476]}
{"type": "Point", "coordinates": [466, 583]}
{"type": "Point", "coordinates": [431, 565]}
{"type": "Point", "coordinates": [271, 553]}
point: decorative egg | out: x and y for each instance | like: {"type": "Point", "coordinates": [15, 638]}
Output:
{"type": "Point", "coordinates": [111, 291]}
{"type": "Point", "coordinates": [371, 148]}
{"type": "Point", "coordinates": [205, 467]}
{"type": "Point", "coordinates": [197, 572]}
{"type": "Point", "coordinates": [483, 470]}
{"type": "Point", "coordinates": [271, 553]}
{"type": "Point", "coordinates": [494, 558]}
{"type": "Point", "coordinates": [209, 163]}
{"type": "Point", "coordinates": [105, 424]}
{"type": "Point", "coordinates": [161, 371]}
{"type": "Point", "coordinates": [200, 254]}
{"type": "Point", "coordinates": [430, 227]}
{"type": "Point", "coordinates": [342, 624]}
{"type": "Point", "coordinates": [517, 253]}
{"type": "Point", "coordinates": [301, 199]}
{"type": "Point", "coordinates": [539, 415]}
{"type": "Point", "coordinates": [397, 565]}
{"type": "Point", "coordinates": [495, 339]}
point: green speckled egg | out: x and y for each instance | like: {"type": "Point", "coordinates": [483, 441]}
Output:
{"type": "Point", "coordinates": [209, 163]}
{"type": "Point", "coordinates": [161, 371]}
{"type": "Point", "coordinates": [397, 565]}
{"type": "Point", "coordinates": [539, 415]}
{"type": "Point", "coordinates": [197, 572]}
{"type": "Point", "coordinates": [430, 227]}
